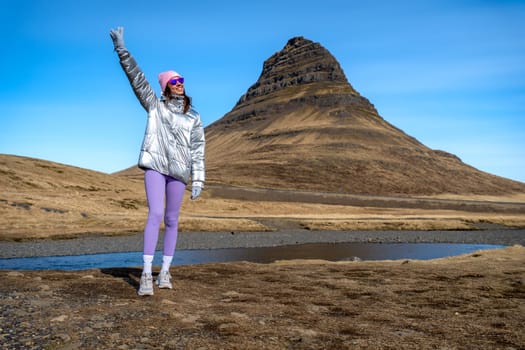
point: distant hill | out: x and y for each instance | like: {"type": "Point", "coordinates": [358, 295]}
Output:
{"type": "Point", "coordinates": [302, 125]}
{"type": "Point", "coordinates": [44, 199]}
{"type": "Point", "coordinates": [39, 198]}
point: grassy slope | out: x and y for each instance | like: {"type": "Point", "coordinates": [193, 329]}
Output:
{"type": "Point", "coordinates": [41, 199]}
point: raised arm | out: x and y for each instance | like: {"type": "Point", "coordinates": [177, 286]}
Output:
{"type": "Point", "coordinates": [137, 79]}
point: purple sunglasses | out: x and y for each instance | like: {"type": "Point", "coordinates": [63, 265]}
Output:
{"type": "Point", "coordinates": [174, 81]}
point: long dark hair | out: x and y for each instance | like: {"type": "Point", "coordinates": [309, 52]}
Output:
{"type": "Point", "coordinates": [187, 99]}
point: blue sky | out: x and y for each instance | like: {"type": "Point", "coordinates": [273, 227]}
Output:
{"type": "Point", "coordinates": [449, 73]}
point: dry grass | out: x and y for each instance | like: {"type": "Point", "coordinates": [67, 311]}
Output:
{"type": "Point", "coordinates": [27, 220]}
{"type": "Point", "coordinates": [220, 224]}
{"type": "Point", "coordinates": [473, 301]}
{"type": "Point", "coordinates": [394, 224]}
{"type": "Point", "coordinates": [55, 200]}
{"type": "Point", "coordinates": [511, 198]}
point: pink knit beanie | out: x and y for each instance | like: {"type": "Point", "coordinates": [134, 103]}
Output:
{"type": "Point", "coordinates": [164, 77]}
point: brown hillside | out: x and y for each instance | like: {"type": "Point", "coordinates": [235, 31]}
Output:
{"type": "Point", "coordinates": [303, 126]}
{"type": "Point", "coordinates": [42, 199]}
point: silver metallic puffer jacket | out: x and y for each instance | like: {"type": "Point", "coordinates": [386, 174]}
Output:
{"type": "Point", "coordinates": [173, 142]}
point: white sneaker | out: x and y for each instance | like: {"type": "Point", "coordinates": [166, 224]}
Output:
{"type": "Point", "coordinates": [163, 280]}
{"type": "Point", "coordinates": [146, 284]}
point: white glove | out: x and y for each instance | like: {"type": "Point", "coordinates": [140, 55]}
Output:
{"type": "Point", "coordinates": [196, 189]}
{"type": "Point", "coordinates": [117, 35]}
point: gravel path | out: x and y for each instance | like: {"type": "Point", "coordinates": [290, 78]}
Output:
{"type": "Point", "coordinates": [215, 240]}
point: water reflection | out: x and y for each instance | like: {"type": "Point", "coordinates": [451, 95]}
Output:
{"type": "Point", "coordinates": [325, 251]}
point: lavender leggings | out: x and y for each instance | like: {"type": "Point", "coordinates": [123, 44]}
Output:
{"type": "Point", "coordinates": [159, 186]}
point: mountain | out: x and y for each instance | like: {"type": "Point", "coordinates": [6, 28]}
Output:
{"type": "Point", "coordinates": [302, 125]}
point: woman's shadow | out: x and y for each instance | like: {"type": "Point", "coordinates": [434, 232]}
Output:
{"type": "Point", "coordinates": [130, 275]}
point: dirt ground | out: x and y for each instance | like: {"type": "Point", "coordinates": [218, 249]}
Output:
{"type": "Point", "coordinates": [474, 301]}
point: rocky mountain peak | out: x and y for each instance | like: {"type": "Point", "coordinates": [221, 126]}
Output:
{"type": "Point", "coordinates": [300, 62]}
{"type": "Point", "coordinates": [303, 126]}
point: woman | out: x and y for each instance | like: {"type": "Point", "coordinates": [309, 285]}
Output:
{"type": "Point", "coordinates": [172, 152]}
